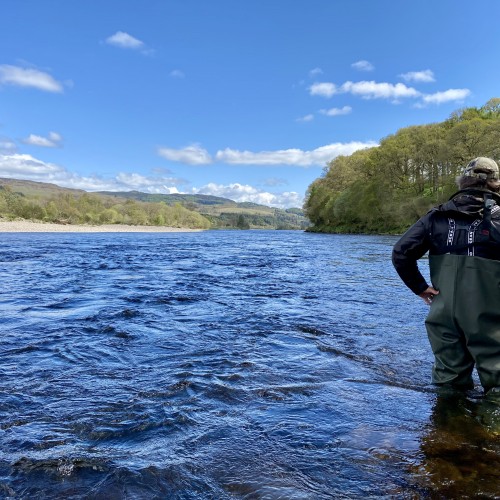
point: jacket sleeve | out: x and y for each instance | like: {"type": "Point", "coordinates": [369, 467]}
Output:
{"type": "Point", "coordinates": [411, 247]}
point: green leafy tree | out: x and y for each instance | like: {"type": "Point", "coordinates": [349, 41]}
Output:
{"type": "Point", "coordinates": [242, 222]}
{"type": "Point", "coordinates": [387, 188]}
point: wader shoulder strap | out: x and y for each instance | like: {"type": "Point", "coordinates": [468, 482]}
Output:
{"type": "Point", "coordinates": [488, 206]}
{"type": "Point", "coordinates": [483, 238]}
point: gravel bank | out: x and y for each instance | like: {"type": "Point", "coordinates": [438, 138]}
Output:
{"type": "Point", "coordinates": [24, 226]}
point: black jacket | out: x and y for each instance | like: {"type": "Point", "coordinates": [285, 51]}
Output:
{"type": "Point", "coordinates": [468, 224]}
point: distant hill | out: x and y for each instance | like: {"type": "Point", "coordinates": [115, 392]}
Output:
{"type": "Point", "coordinates": [222, 213]}
{"type": "Point", "coordinates": [226, 213]}
{"type": "Point", "coordinates": [38, 189]}
{"type": "Point", "coordinates": [170, 199]}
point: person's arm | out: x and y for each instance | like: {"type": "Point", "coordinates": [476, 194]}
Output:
{"type": "Point", "coordinates": [405, 254]}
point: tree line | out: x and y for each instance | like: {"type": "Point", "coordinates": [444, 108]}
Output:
{"type": "Point", "coordinates": [279, 219]}
{"type": "Point", "coordinates": [65, 208]}
{"type": "Point", "coordinates": [387, 188]}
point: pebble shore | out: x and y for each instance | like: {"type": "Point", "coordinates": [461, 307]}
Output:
{"type": "Point", "coordinates": [25, 226]}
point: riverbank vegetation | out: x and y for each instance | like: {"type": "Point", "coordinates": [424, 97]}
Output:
{"type": "Point", "coordinates": [227, 214]}
{"type": "Point", "coordinates": [387, 188]}
{"type": "Point", "coordinates": [45, 202]}
{"type": "Point", "coordinates": [68, 208]}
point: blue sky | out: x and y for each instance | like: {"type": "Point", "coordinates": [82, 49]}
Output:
{"type": "Point", "coordinates": [243, 99]}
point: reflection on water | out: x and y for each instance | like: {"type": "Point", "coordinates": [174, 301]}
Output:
{"type": "Point", "coordinates": [461, 446]}
{"type": "Point", "coordinates": [252, 365]}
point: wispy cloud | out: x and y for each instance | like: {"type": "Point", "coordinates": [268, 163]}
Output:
{"type": "Point", "coordinates": [191, 155]}
{"type": "Point", "coordinates": [139, 182]}
{"type": "Point", "coordinates": [336, 111]}
{"type": "Point", "coordinates": [161, 170]}
{"type": "Point", "coordinates": [177, 73]}
{"type": "Point", "coordinates": [291, 157]}
{"type": "Point", "coordinates": [29, 77]}
{"type": "Point", "coordinates": [275, 181]}
{"type": "Point", "coordinates": [315, 72]}
{"type": "Point", "coordinates": [7, 146]}
{"type": "Point", "coordinates": [425, 76]}
{"type": "Point", "coordinates": [446, 96]}
{"type": "Point", "coordinates": [123, 40]}
{"type": "Point", "coordinates": [52, 141]}
{"type": "Point", "coordinates": [363, 66]}
{"type": "Point", "coordinates": [306, 118]}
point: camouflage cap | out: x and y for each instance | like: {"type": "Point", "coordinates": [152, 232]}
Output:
{"type": "Point", "coordinates": [481, 167]}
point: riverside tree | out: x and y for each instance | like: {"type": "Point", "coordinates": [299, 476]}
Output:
{"type": "Point", "coordinates": [387, 188]}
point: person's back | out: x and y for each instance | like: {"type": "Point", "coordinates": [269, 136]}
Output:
{"type": "Point", "coordinates": [462, 237]}
{"type": "Point", "coordinates": [468, 224]}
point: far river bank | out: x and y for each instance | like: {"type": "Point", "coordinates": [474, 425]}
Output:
{"type": "Point", "coordinates": [26, 226]}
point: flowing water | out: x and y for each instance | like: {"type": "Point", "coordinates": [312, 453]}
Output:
{"type": "Point", "coordinates": [225, 365]}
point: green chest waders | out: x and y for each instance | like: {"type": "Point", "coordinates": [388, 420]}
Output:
{"type": "Point", "coordinates": [463, 323]}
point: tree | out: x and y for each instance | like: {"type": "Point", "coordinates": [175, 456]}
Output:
{"type": "Point", "coordinates": [387, 188]}
{"type": "Point", "coordinates": [242, 222]}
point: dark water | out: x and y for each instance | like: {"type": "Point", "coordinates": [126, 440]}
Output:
{"type": "Point", "coordinates": [226, 365]}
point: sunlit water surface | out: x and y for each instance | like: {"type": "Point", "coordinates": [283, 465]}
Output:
{"type": "Point", "coordinates": [227, 365]}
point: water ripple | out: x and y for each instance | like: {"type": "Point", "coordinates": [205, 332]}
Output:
{"type": "Point", "coordinates": [222, 365]}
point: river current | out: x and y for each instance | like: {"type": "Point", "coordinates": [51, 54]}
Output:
{"type": "Point", "coordinates": [226, 365]}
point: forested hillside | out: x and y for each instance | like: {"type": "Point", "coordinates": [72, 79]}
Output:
{"type": "Point", "coordinates": [51, 203]}
{"type": "Point", "coordinates": [387, 188]}
{"type": "Point", "coordinates": [224, 213]}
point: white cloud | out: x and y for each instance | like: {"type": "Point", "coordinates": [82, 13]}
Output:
{"type": "Point", "coordinates": [31, 78]}
{"type": "Point", "coordinates": [425, 76]}
{"type": "Point", "coordinates": [241, 193]}
{"type": "Point", "coordinates": [365, 89]}
{"type": "Point", "coordinates": [52, 141]}
{"type": "Point", "coordinates": [196, 155]}
{"type": "Point", "coordinates": [323, 89]}
{"type": "Point", "coordinates": [336, 111]}
{"type": "Point", "coordinates": [191, 155]}
{"type": "Point", "coordinates": [315, 72]}
{"type": "Point", "coordinates": [390, 91]}
{"type": "Point", "coordinates": [171, 190]}
{"type": "Point", "coordinates": [292, 157]}
{"type": "Point", "coordinates": [24, 166]}
{"type": "Point", "coordinates": [446, 96]}
{"type": "Point", "coordinates": [36, 140]}
{"type": "Point", "coordinates": [124, 41]}
{"type": "Point", "coordinates": [363, 66]}
{"type": "Point", "coordinates": [306, 118]}
{"type": "Point", "coordinates": [376, 90]}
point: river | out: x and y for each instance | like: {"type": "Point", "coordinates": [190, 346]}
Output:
{"type": "Point", "coordinates": [226, 365]}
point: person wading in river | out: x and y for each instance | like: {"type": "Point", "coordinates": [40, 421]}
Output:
{"type": "Point", "coordinates": [462, 237]}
